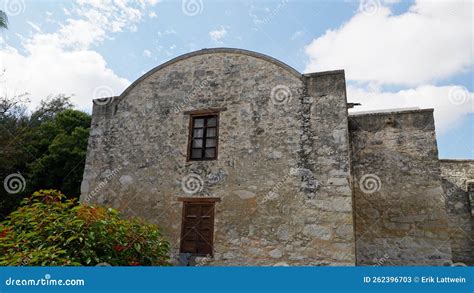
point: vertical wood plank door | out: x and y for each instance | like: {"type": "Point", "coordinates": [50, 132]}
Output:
{"type": "Point", "coordinates": [197, 228]}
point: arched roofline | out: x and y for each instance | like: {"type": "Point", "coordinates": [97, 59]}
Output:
{"type": "Point", "coordinates": [212, 51]}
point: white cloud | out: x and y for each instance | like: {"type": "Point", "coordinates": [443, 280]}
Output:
{"type": "Point", "coordinates": [262, 15]}
{"type": "Point", "coordinates": [147, 53]}
{"type": "Point", "coordinates": [166, 32]}
{"type": "Point", "coordinates": [49, 70]}
{"type": "Point", "coordinates": [451, 103]}
{"type": "Point", "coordinates": [63, 61]}
{"type": "Point", "coordinates": [431, 41]}
{"type": "Point", "coordinates": [296, 35]}
{"type": "Point", "coordinates": [218, 34]}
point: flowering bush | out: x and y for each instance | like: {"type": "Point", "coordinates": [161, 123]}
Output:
{"type": "Point", "coordinates": [50, 230]}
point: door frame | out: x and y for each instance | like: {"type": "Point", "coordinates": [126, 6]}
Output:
{"type": "Point", "coordinates": [198, 200]}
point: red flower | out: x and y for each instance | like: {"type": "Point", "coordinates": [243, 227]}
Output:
{"type": "Point", "coordinates": [4, 233]}
{"type": "Point", "coordinates": [119, 247]}
{"type": "Point", "coordinates": [134, 263]}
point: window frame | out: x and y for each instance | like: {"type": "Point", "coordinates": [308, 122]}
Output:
{"type": "Point", "coordinates": [205, 114]}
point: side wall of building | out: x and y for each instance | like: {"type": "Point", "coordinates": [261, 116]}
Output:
{"type": "Point", "coordinates": [457, 177]}
{"type": "Point", "coordinates": [400, 216]}
{"type": "Point", "coordinates": [282, 172]}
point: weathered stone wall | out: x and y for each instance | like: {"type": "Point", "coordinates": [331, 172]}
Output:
{"type": "Point", "coordinates": [400, 218]}
{"type": "Point", "coordinates": [456, 176]}
{"type": "Point", "coordinates": [282, 174]}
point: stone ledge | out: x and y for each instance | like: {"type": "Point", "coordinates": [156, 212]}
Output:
{"type": "Point", "coordinates": [389, 112]}
{"type": "Point", "coordinates": [456, 160]}
{"type": "Point", "coordinates": [331, 72]}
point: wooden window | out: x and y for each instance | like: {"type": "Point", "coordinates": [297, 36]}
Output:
{"type": "Point", "coordinates": [203, 137]}
{"type": "Point", "coordinates": [197, 227]}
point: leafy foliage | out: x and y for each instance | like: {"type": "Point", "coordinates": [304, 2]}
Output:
{"type": "Point", "coordinates": [51, 230]}
{"type": "Point", "coordinates": [49, 107]}
{"type": "Point", "coordinates": [3, 20]}
{"type": "Point", "coordinates": [47, 148]}
{"type": "Point", "coordinates": [61, 147]}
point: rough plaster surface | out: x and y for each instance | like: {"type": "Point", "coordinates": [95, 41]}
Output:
{"type": "Point", "coordinates": [458, 176]}
{"type": "Point", "coordinates": [400, 212]}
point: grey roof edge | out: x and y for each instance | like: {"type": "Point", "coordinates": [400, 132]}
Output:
{"type": "Point", "coordinates": [330, 72]}
{"type": "Point", "coordinates": [457, 160]}
{"type": "Point", "coordinates": [381, 113]}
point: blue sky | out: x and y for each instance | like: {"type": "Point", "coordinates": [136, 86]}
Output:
{"type": "Point", "coordinates": [396, 54]}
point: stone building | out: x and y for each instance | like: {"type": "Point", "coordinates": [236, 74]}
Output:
{"type": "Point", "coordinates": [241, 159]}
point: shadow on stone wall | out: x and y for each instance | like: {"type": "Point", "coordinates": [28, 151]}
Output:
{"type": "Point", "coordinates": [461, 222]}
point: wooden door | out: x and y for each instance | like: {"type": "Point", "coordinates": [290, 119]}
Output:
{"type": "Point", "coordinates": [197, 228]}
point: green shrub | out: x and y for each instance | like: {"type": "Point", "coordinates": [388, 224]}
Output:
{"type": "Point", "coordinates": [50, 230]}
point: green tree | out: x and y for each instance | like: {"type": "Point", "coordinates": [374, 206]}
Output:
{"type": "Point", "coordinates": [61, 166]}
{"type": "Point", "coordinates": [13, 124]}
{"type": "Point", "coordinates": [49, 108]}
{"type": "Point", "coordinates": [47, 148]}
{"type": "Point", "coordinates": [3, 20]}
